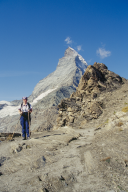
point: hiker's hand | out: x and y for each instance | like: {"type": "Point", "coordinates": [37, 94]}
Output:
{"type": "Point", "coordinates": [20, 112]}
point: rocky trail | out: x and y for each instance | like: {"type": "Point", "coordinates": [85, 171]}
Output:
{"type": "Point", "coordinates": [49, 161]}
{"type": "Point", "coordinates": [66, 160]}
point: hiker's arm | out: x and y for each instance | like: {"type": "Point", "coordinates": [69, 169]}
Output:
{"type": "Point", "coordinates": [30, 110]}
{"type": "Point", "coordinates": [20, 112]}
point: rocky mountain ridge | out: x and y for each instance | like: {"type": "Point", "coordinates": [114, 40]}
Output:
{"type": "Point", "coordinates": [86, 104]}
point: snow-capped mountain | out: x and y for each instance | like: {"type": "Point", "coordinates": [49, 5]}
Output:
{"type": "Point", "coordinates": [69, 70]}
{"type": "Point", "coordinates": [49, 91]}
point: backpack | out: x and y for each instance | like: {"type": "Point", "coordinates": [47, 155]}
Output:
{"type": "Point", "coordinates": [27, 104]}
{"type": "Point", "coordinates": [29, 113]}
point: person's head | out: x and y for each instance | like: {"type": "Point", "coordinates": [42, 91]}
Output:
{"type": "Point", "coordinates": [24, 99]}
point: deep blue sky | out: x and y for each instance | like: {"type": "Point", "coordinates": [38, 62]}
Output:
{"type": "Point", "coordinates": [33, 34]}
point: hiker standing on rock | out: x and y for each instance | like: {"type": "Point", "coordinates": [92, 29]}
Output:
{"type": "Point", "coordinates": [25, 111]}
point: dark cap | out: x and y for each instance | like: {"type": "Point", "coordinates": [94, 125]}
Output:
{"type": "Point", "coordinates": [24, 98]}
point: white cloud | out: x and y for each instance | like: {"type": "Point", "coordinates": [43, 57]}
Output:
{"type": "Point", "coordinates": [79, 47]}
{"type": "Point", "coordinates": [103, 53]}
{"type": "Point", "coordinates": [68, 40]}
{"type": "Point", "coordinates": [89, 61]}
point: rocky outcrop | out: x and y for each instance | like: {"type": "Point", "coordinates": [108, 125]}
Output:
{"type": "Point", "coordinates": [85, 104]}
{"type": "Point", "coordinates": [97, 78]}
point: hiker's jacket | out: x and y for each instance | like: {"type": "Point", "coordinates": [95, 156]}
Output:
{"type": "Point", "coordinates": [25, 107]}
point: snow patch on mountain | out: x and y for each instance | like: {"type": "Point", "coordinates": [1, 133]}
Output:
{"type": "Point", "coordinates": [42, 95]}
{"type": "Point", "coordinates": [10, 110]}
{"type": "Point", "coordinates": [5, 102]}
{"type": "Point", "coordinates": [82, 60]}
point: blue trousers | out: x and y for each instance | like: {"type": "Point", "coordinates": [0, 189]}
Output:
{"type": "Point", "coordinates": [25, 126]}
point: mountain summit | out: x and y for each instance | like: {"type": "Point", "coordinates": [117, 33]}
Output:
{"type": "Point", "coordinates": [70, 52]}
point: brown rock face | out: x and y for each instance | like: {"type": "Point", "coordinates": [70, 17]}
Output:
{"type": "Point", "coordinates": [98, 78]}
{"type": "Point", "coordinates": [84, 104]}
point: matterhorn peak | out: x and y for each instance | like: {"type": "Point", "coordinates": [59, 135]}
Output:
{"type": "Point", "coordinates": [70, 52]}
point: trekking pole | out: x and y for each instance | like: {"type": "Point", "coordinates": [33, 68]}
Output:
{"type": "Point", "coordinates": [28, 123]}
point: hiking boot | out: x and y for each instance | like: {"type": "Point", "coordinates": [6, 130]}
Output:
{"type": "Point", "coordinates": [24, 138]}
